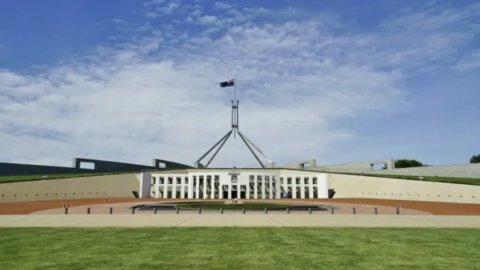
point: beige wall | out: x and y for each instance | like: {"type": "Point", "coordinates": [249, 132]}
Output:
{"type": "Point", "coordinates": [353, 186]}
{"type": "Point", "coordinates": [346, 186]}
{"type": "Point", "coordinates": [73, 188]}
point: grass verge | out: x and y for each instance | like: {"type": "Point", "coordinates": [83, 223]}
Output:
{"type": "Point", "coordinates": [240, 248]}
{"type": "Point", "coordinates": [24, 178]}
{"type": "Point", "coordinates": [452, 180]}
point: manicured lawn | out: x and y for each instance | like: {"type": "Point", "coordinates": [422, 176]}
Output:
{"type": "Point", "coordinates": [453, 180]}
{"type": "Point", "coordinates": [240, 248]}
{"type": "Point", "coordinates": [22, 178]}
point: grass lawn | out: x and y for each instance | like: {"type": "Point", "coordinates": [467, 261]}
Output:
{"type": "Point", "coordinates": [240, 248]}
{"type": "Point", "coordinates": [22, 178]}
{"type": "Point", "coordinates": [453, 180]}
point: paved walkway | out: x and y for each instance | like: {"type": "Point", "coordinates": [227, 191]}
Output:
{"type": "Point", "coordinates": [257, 220]}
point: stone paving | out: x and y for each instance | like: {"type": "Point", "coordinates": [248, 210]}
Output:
{"type": "Point", "coordinates": [257, 220]}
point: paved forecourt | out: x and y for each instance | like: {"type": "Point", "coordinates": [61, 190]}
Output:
{"type": "Point", "coordinates": [259, 220]}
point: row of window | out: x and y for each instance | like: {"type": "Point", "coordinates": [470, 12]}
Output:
{"type": "Point", "coordinates": [418, 195]}
{"type": "Point", "coordinates": [252, 179]}
{"type": "Point", "coordinates": [57, 194]}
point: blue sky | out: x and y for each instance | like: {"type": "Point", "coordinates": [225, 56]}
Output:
{"type": "Point", "coordinates": [339, 81]}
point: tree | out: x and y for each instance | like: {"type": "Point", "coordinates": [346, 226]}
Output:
{"type": "Point", "coordinates": [407, 163]}
{"type": "Point", "coordinates": [475, 159]}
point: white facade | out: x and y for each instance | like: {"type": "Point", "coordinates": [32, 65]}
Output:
{"type": "Point", "coordinates": [221, 184]}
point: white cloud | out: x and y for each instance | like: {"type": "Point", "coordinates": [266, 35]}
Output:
{"type": "Point", "coordinates": [207, 19]}
{"type": "Point", "coordinates": [158, 96]}
{"type": "Point", "coordinates": [469, 62]}
{"type": "Point", "coordinates": [221, 5]}
{"type": "Point", "coordinates": [169, 8]}
{"type": "Point", "coordinates": [151, 15]}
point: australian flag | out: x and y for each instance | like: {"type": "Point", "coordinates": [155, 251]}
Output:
{"type": "Point", "coordinates": [228, 83]}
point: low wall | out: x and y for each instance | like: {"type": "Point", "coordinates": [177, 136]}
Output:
{"type": "Point", "coordinates": [72, 188]}
{"type": "Point", "coordinates": [363, 166]}
{"type": "Point", "coordinates": [353, 186]}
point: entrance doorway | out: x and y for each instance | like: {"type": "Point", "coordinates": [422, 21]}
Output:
{"type": "Point", "coordinates": [234, 193]}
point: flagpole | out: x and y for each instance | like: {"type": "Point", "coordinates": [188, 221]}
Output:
{"type": "Point", "coordinates": [236, 102]}
{"type": "Point", "coordinates": [235, 90]}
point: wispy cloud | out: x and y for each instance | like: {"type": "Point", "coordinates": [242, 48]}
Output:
{"type": "Point", "coordinates": [158, 94]}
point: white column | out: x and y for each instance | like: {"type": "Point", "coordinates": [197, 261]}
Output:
{"type": "Point", "coordinates": [165, 187]}
{"type": "Point", "coordinates": [238, 190]}
{"type": "Point", "coordinates": [278, 188]}
{"type": "Point", "coordinates": [197, 187]}
{"type": "Point", "coordinates": [255, 187]}
{"type": "Point", "coordinates": [294, 187]}
{"type": "Point", "coordinates": [157, 187]}
{"type": "Point", "coordinates": [182, 188]}
{"type": "Point", "coordinates": [310, 187]}
{"type": "Point", "coordinates": [302, 188]}
{"type": "Point", "coordinates": [248, 189]}
{"type": "Point", "coordinates": [263, 186]}
{"type": "Point", "coordinates": [270, 187]}
{"type": "Point", "coordinates": [212, 185]}
{"type": "Point", "coordinates": [322, 186]}
{"type": "Point", "coordinates": [190, 187]}
{"type": "Point", "coordinates": [205, 196]}
{"type": "Point", "coordinates": [174, 187]}
{"type": "Point", "coordinates": [229, 191]}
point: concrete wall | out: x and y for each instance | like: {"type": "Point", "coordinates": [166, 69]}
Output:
{"type": "Point", "coordinates": [73, 188]}
{"type": "Point", "coordinates": [300, 165]}
{"type": "Point", "coordinates": [463, 170]}
{"type": "Point", "coordinates": [352, 186]}
{"type": "Point", "coordinates": [100, 166]}
{"type": "Point", "coordinates": [27, 169]}
{"type": "Point", "coordinates": [364, 166]}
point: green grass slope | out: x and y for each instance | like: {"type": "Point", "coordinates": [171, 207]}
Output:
{"type": "Point", "coordinates": [452, 180]}
{"type": "Point", "coordinates": [240, 248]}
{"type": "Point", "coordinates": [22, 178]}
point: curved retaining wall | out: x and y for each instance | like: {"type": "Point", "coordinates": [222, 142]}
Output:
{"type": "Point", "coordinates": [72, 188]}
{"type": "Point", "coordinates": [345, 186]}
{"type": "Point", "coordinates": [353, 186]}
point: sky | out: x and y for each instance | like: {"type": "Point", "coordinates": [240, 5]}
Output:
{"type": "Point", "coordinates": [339, 81]}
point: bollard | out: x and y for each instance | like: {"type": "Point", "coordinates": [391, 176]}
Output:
{"type": "Point", "coordinates": [111, 210]}
{"type": "Point", "coordinates": [354, 211]}
{"type": "Point", "coordinates": [221, 210]}
{"type": "Point", "coordinates": [309, 210]}
{"type": "Point", "coordinates": [133, 211]}
{"type": "Point", "coordinates": [178, 210]}
{"type": "Point", "coordinates": [200, 210]}
{"type": "Point", "coordinates": [243, 210]}
{"type": "Point", "coordinates": [288, 210]}
{"type": "Point", "coordinates": [332, 211]}
{"type": "Point", "coordinates": [266, 211]}
{"type": "Point", "coordinates": [155, 211]}
{"type": "Point", "coordinates": [398, 211]}
{"type": "Point", "coordinates": [88, 211]}
{"type": "Point", "coordinates": [375, 210]}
